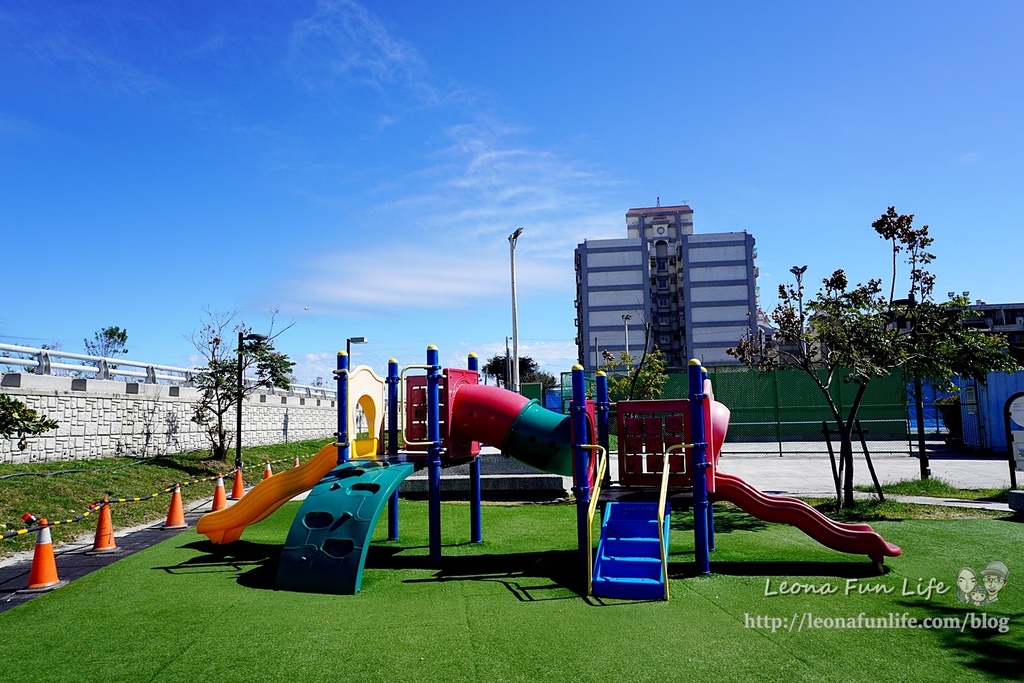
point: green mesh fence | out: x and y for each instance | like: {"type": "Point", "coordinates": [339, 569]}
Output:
{"type": "Point", "coordinates": [786, 406]}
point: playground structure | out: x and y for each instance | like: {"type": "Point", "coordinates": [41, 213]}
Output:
{"type": "Point", "coordinates": [446, 414]}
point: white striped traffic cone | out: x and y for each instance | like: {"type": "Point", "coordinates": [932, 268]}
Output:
{"type": "Point", "coordinates": [43, 575]}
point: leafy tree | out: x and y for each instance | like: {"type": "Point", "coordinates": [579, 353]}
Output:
{"type": "Point", "coordinates": [529, 371]}
{"type": "Point", "coordinates": [216, 342]}
{"type": "Point", "coordinates": [108, 342]}
{"type": "Point", "coordinates": [16, 418]}
{"type": "Point", "coordinates": [871, 335]}
{"type": "Point", "coordinates": [630, 381]}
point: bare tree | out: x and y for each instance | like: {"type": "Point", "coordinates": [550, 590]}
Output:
{"type": "Point", "coordinates": [218, 379]}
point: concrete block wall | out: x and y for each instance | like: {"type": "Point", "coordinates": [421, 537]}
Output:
{"type": "Point", "coordinates": [106, 418]}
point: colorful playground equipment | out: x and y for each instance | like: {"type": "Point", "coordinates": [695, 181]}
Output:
{"type": "Point", "coordinates": [445, 415]}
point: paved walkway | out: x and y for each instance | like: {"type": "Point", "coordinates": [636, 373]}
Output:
{"type": "Point", "coordinates": [73, 563]}
{"type": "Point", "coordinates": [792, 475]}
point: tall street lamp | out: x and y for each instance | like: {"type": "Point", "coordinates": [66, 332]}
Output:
{"type": "Point", "coordinates": [625, 321]}
{"type": "Point", "coordinates": [238, 405]}
{"type": "Point", "coordinates": [508, 365]}
{"type": "Point", "coordinates": [348, 347]}
{"type": "Point", "coordinates": [799, 271]}
{"type": "Point", "coordinates": [515, 318]}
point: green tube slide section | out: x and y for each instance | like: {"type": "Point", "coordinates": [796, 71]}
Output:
{"type": "Point", "coordinates": [541, 438]}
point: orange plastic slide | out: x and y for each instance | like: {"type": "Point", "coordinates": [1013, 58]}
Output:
{"type": "Point", "coordinates": [859, 539]}
{"type": "Point", "coordinates": [227, 525]}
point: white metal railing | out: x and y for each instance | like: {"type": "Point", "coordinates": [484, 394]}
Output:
{"type": "Point", "coordinates": [41, 362]}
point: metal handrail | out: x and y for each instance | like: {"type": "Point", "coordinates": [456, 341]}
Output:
{"type": "Point", "coordinates": [662, 499]}
{"type": "Point", "coordinates": [401, 401]}
{"type": "Point", "coordinates": [151, 372]}
{"type": "Point", "coordinates": [595, 495]}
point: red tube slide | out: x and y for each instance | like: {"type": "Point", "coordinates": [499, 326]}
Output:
{"type": "Point", "coordinates": [858, 539]}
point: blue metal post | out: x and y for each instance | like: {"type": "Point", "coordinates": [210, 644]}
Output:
{"type": "Point", "coordinates": [434, 451]}
{"type": "Point", "coordinates": [342, 375]}
{"type": "Point", "coordinates": [699, 468]}
{"type": "Point", "coordinates": [392, 382]}
{"type": "Point", "coordinates": [475, 521]}
{"type": "Point", "coordinates": [580, 457]}
{"type": "Point", "coordinates": [711, 505]}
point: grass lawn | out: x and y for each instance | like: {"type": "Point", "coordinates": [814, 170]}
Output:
{"type": "Point", "coordinates": [936, 487]}
{"type": "Point", "coordinates": [63, 490]}
{"type": "Point", "coordinates": [508, 610]}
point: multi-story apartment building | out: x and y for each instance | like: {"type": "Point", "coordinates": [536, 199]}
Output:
{"type": "Point", "coordinates": [697, 292]}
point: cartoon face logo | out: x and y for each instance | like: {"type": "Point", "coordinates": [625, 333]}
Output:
{"type": "Point", "coordinates": [972, 590]}
{"type": "Point", "coordinates": [966, 582]}
{"type": "Point", "coordinates": [994, 575]}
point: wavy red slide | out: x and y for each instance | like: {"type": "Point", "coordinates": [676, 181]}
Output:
{"type": "Point", "coordinates": [859, 539]}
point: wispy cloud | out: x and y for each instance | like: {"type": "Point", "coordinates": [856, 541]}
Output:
{"type": "Point", "coordinates": [455, 224]}
{"type": "Point", "coordinates": [487, 181]}
{"type": "Point", "coordinates": [968, 158]}
{"type": "Point", "coordinates": [342, 42]}
{"type": "Point", "coordinates": [447, 218]}
{"type": "Point", "coordinates": [13, 127]}
{"type": "Point", "coordinates": [67, 42]}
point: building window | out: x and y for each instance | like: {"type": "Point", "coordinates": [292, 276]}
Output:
{"type": "Point", "coordinates": [663, 320]}
{"type": "Point", "coordinates": [662, 283]}
{"type": "Point", "coordinates": [664, 339]}
{"type": "Point", "coordinates": [663, 301]}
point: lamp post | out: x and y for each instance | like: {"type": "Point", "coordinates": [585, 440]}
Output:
{"type": "Point", "coordinates": [799, 271]}
{"type": "Point", "coordinates": [238, 405]}
{"type": "Point", "coordinates": [348, 347]}
{"type": "Point", "coordinates": [515, 318]}
{"type": "Point", "coordinates": [508, 365]}
{"type": "Point", "coordinates": [625, 321]}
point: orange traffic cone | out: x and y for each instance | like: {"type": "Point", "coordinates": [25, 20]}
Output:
{"type": "Point", "coordinates": [296, 462]}
{"type": "Point", "coordinates": [238, 488]}
{"type": "Point", "coordinates": [267, 474]}
{"type": "Point", "coordinates": [175, 515]}
{"type": "Point", "coordinates": [43, 575]}
{"type": "Point", "coordinates": [104, 540]}
{"type": "Point", "coordinates": [220, 499]}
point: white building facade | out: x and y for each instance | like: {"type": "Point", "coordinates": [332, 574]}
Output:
{"type": "Point", "coordinates": [696, 291]}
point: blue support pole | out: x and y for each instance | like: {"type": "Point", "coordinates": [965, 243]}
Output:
{"type": "Point", "coordinates": [711, 505]}
{"type": "Point", "coordinates": [580, 457]}
{"type": "Point", "coordinates": [475, 497]}
{"type": "Point", "coordinates": [342, 375]}
{"type": "Point", "coordinates": [699, 468]}
{"type": "Point", "coordinates": [434, 451]}
{"type": "Point", "coordinates": [392, 382]}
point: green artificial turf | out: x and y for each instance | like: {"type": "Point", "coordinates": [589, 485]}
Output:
{"type": "Point", "coordinates": [509, 609]}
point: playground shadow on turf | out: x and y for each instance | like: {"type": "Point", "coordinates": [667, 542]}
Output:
{"type": "Point", "coordinates": [727, 520]}
{"type": "Point", "coordinates": [982, 650]}
{"type": "Point", "coordinates": [529, 577]}
{"type": "Point", "coordinates": [686, 569]}
{"type": "Point", "coordinates": [255, 563]}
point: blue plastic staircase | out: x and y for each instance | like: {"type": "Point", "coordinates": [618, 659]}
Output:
{"type": "Point", "coordinates": [628, 555]}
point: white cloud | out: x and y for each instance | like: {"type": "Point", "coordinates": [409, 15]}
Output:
{"type": "Point", "coordinates": [342, 42]}
{"type": "Point", "coordinates": [968, 158]}
{"type": "Point", "coordinates": [446, 243]}
{"type": "Point", "coordinates": [309, 366]}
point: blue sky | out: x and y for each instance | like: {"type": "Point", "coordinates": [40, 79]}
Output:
{"type": "Point", "coordinates": [360, 166]}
